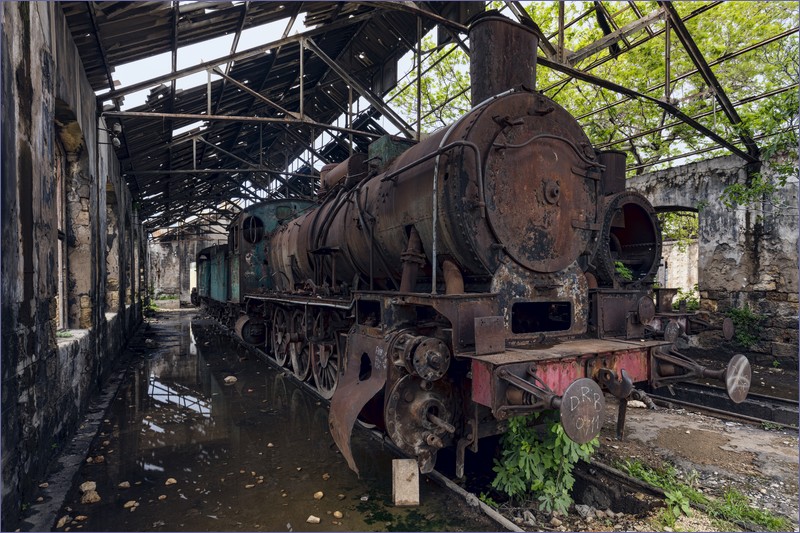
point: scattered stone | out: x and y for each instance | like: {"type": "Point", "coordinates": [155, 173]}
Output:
{"type": "Point", "coordinates": [106, 442]}
{"type": "Point", "coordinates": [129, 504]}
{"type": "Point", "coordinates": [124, 485]}
{"type": "Point", "coordinates": [89, 460]}
{"type": "Point", "coordinates": [149, 343]}
{"type": "Point", "coordinates": [326, 476]}
{"type": "Point", "coordinates": [299, 468]}
{"type": "Point", "coordinates": [249, 486]}
{"type": "Point", "coordinates": [81, 518]}
{"type": "Point", "coordinates": [589, 519]}
{"type": "Point", "coordinates": [636, 404]}
{"type": "Point", "coordinates": [86, 486]}
{"type": "Point", "coordinates": [270, 445]}
{"type": "Point", "coordinates": [555, 522]}
{"type": "Point", "coordinates": [365, 498]}
{"type": "Point", "coordinates": [667, 528]}
{"type": "Point", "coordinates": [44, 485]}
{"type": "Point", "coordinates": [62, 521]}
{"type": "Point", "coordinates": [340, 496]}
{"type": "Point", "coordinates": [99, 459]}
{"type": "Point", "coordinates": [313, 519]}
{"type": "Point", "coordinates": [338, 514]}
{"type": "Point", "coordinates": [529, 518]}
{"type": "Point", "coordinates": [583, 510]}
{"type": "Point", "coordinates": [763, 491]}
{"type": "Point", "coordinates": [170, 481]}
{"type": "Point", "coordinates": [599, 514]}
{"type": "Point", "coordinates": [90, 496]}
{"type": "Point", "coordinates": [230, 380]}
{"type": "Point", "coordinates": [40, 499]}
{"type": "Point", "coordinates": [318, 495]}
{"type": "Point", "coordinates": [610, 513]}
{"type": "Point", "coordinates": [162, 497]}
{"type": "Point", "coordinates": [518, 520]}
{"type": "Point", "coordinates": [688, 432]}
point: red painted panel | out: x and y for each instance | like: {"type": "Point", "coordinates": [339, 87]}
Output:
{"type": "Point", "coordinates": [481, 383]}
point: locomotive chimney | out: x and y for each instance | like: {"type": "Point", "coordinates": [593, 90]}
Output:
{"type": "Point", "coordinates": [502, 56]}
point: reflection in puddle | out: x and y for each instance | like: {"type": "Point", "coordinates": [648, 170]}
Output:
{"type": "Point", "coordinates": [201, 455]}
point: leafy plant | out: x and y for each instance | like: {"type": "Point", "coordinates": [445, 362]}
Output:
{"type": "Point", "coordinates": [539, 463]}
{"type": "Point", "coordinates": [485, 498]}
{"type": "Point", "coordinates": [64, 334]}
{"type": "Point", "coordinates": [677, 503]}
{"type": "Point", "coordinates": [747, 325]}
{"type": "Point", "coordinates": [623, 271]}
{"type": "Point", "coordinates": [691, 297]}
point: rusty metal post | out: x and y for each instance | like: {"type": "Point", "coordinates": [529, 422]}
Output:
{"type": "Point", "coordinates": [419, 78]}
{"type": "Point", "coordinates": [621, 413]}
{"type": "Point", "coordinates": [667, 45]}
{"type": "Point", "coordinates": [302, 73]}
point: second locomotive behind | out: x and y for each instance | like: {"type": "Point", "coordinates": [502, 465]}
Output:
{"type": "Point", "coordinates": [470, 278]}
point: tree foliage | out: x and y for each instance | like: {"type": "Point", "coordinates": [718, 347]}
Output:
{"type": "Point", "coordinates": [723, 33]}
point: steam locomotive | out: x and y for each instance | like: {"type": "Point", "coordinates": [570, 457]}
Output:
{"type": "Point", "coordinates": [496, 268]}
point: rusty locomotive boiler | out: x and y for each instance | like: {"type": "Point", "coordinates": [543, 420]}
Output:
{"type": "Point", "coordinates": [439, 288]}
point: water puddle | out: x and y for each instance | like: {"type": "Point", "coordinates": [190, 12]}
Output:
{"type": "Point", "coordinates": [185, 450]}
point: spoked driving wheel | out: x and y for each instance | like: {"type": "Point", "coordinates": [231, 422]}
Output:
{"type": "Point", "coordinates": [280, 336]}
{"type": "Point", "coordinates": [324, 355]}
{"type": "Point", "coordinates": [298, 346]}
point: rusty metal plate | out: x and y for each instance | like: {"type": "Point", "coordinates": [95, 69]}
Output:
{"type": "Point", "coordinates": [490, 335]}
{"type": "Point", "coordinates": [728, 329]}
{"type": "Point", "coordinates": [352, 394]}
{"type": "Point", "coordinates": [737, 378]}
{"type": "Point", "coordinates": [582, 410]}
{"type": "Point", "coordinates": [538, 208]}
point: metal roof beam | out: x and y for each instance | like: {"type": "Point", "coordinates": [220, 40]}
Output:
{"type": "Point", "coordinates": [669, 108]}
{"type": "Point", "coordinates": [244, 54]}
{"type": "Point", "coordinates": [708, 75]}
{"type": "Point", "coordinates": [613, 37]}
{"type": "Point", "coordinates": [374, 100]}
{"type": "Point", "coordinates": [234, 118]}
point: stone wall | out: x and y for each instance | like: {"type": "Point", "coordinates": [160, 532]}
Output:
{"type": "Point", "coordinates": [747, 256]}
{"type": "Point", "coordinates": [170, 265]}
{"type": "Point", "coordinates": [59, 339]}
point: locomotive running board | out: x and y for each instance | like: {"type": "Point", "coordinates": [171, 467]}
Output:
{"type": "Point", "coordinates": [363, 378]}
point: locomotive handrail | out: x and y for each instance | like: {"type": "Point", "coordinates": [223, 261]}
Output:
{"type": "Point", "coordinates": [558, 138]}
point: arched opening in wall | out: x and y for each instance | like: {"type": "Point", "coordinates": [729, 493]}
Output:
{"type": "Point", "coordinates": [112, 250]}
{"type": "Point", "coordinates": [71, 162]}
{"type": "Point", "coordinates": [680, 255]}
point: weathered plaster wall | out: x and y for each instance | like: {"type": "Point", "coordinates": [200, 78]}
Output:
{"type": "Point", "coordinates": [746, 255]}
{"type": "Point", "coordinates": [47, 380]}
{"type": "Point", "coordinates": [678, 266]}
{"type": "Point", "coordinates": [171, 264]}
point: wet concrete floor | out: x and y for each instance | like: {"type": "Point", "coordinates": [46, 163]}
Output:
{"type": "Point", "coordinates": [181, 450]}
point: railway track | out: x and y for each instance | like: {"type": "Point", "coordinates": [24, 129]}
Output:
{"type": "Point", "coordinates": [756, 408]}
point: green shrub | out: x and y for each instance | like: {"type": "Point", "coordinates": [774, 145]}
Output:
{"type": "Point", "coordinates": [691, 297]}
{"type": "Point", "coordinates": [539, 464]}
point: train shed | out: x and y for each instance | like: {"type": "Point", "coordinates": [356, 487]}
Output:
{"type": "Point", "coordinates": [135, 133]}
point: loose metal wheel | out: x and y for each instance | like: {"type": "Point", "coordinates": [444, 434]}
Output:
{"type": "Point", "coordinates": [298, 346]}
{"type": "Point", "coordinates": [324, 355]}
{"type": "Point", "coordinates": [280, 336]}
